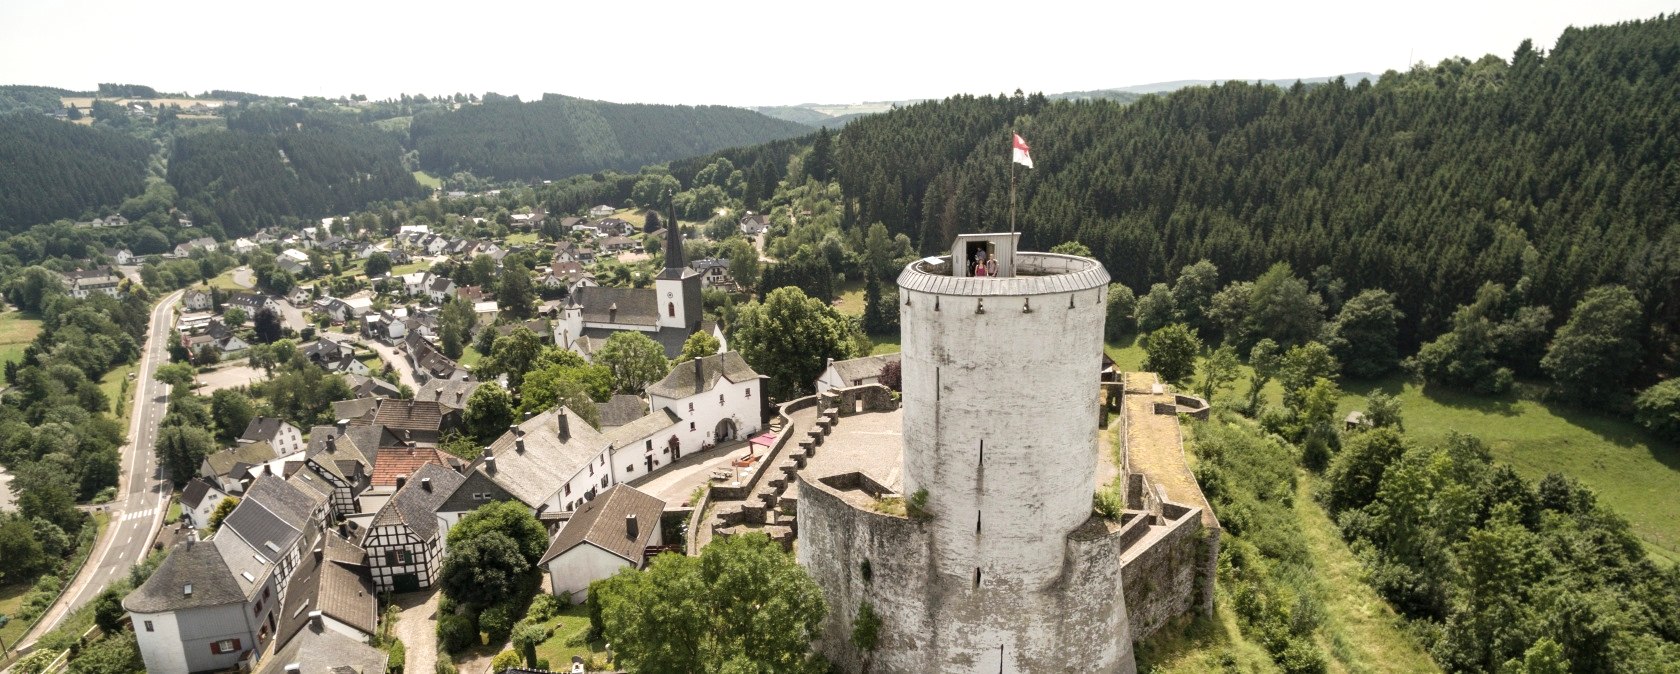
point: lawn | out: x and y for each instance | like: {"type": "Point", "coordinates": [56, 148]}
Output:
{"type": "Point", "coordinates": [112, 385]}
{"type": "Point", "coordinates": [1633, 471]}
{"type": "Point", "coordinates": [522, 238]}
{"type": "Point", "coordinates": [1186, 646]}
{"type": "Point", "coordinates": [17, 330]}
{"type": "Point", "coordinates": [568, 628]}
{"type": "Point", "coordinates": [11, 597]}
{"type": "Point", "coordinates": [225, 282]}
{"type": "Point", "coordinates": [399, 270]}
{"type": "Point", "coordinates": [850, 299]}
{"type": "Point", "coordinates": [884, 344]}
{"type": "Point", "coordinates": [469, 356]}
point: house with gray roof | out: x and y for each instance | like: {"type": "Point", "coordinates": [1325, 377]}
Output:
{"type": "Point", "coordinates": [276, 521]}
{"type": "Point", "coordinates": [336, 454]}
{"type": "Point", "coordinates": [538, 462]}
{"type": "Point", "coordinates": [609, 533]}
{"type": "Point", "coordinates": [331, 588]}
{"type": "Point", "coordinates": [403, 541]}
{"type": "Point", "coordinates": [199, 500]}
{"type": "Point", "coordinates": [622, 409]}
{"type": "Point", "coordinates": [853, 372]}
{"type": "Point", "coordinates": [208, 607]}
{"type": "Point", "coordinates": [718, 399]}
{"type": "Point", "coordinates": [279, 434]}
{"type": "Point", "coordinates": [229, 468]}
{"type": "Point", "coordinates": [318, 648]}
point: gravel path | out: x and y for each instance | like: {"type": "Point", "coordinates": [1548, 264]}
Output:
{"type": "Point", "coordinates": [418, 629]}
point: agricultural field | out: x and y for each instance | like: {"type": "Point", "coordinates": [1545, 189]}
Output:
{"type": "Point", "coordinates": [17, 330]}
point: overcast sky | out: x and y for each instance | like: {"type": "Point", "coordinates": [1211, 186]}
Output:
{"type": "Point", "coordinates": [749, 53]}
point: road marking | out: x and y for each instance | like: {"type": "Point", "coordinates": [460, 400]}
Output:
{"type": "Point", "coordinates": [139, 514]}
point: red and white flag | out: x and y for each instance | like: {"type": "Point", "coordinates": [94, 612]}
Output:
{"type": "Point", "coordinates": [1023, 154]}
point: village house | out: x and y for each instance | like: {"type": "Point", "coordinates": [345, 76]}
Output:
{"type": "Point", "coordinates": [853, 372]}
{"type": "Point", "coordinates": [602, 211]}
{"type": "Point", "coordinates": [121, 256]}
{"type": "Point", "coordinates": [209, 606]}
{"type": "Point", "coordinates": [224, 339]}
{"type": "Point", "coordinates": [252, 303]}
{"type": "Point", "coordinates": [82, 283]}
{"type": "Point", "coordinates": [292, 260]}
{"type": "Point", "coordinates": [619, 244]}
{"type": "Point", "coordinates": [197, 299]}
{"type": "Point", "coordinates": [714, 272]}
{"type": "Point", "coordinates": [198, 501]}
{"type": "Point", "coordinates": [243, 245]}
{"type": "Point", "coordinates": [230, 468]}
{"type": "Point", "coordinates": [717, 398]}
{"type": "Point", "coordinates": [403, 541]}
{"type": "Point", "coordinates": [613, 532]}
{"type": "Point", "coordinates": [280, 435]}
{"type": "Point", "coordinates": [754, 224]}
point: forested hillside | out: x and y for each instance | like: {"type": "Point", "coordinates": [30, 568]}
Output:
{"type": "Point", "coordinates": [276, 163]}
{"type": "Point", "coordinates": [50, 169]}
{"type": "Point", "coordinates": [1563, 168]}
{"type": "Point", "coordinates": [561, 136]}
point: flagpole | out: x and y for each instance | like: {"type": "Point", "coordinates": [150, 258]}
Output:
{"type": "Point", "coordinates": [1012, 185]}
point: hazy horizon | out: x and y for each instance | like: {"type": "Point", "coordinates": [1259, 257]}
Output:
{"type": "Point", "coordinates": [752, 53]}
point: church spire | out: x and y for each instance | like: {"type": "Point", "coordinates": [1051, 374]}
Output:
{"type": "Point", "coordinates": [673, 235]}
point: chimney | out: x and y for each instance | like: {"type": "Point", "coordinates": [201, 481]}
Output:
{"type": "Point", "coordinates": [630, 528]}
{"type": "Point", "coordinates": [519, 445]}
{"type": "Point", "coordinates": [831, 362]}
{"type": "Point", "coordinates": [318, 552]}
{"type": "Point", "coordinates": [426, 483]}
{"type": "Point", "coordinates": [439, 396]}
{"type": "Point", "coordinates": [699, 374]}
{"type": "Point", "coordinates": [411, 403]}
{"type": "Point", "coordinates": [565, 424]}
{"type": "Point", "coordinates": [458, 395]}
{"type": "Point", "coordinates": [401, 480]}
{"type": "Point", "coordinates": [490, 464]}
{"type": "Point", "coordinates": [315, 616]}
{"type": "Point", "coordinates": [294, 668]}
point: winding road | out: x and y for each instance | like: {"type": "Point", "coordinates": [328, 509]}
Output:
{"type": "Point", "coordinates": [143, 498]}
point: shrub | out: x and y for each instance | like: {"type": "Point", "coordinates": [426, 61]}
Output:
{"type": "Point", "coordinates": [505, 660]}
{"type": "Point", "coordinates": [1658, 408]}
{"type": "Point", "coordinates": [497, 621]}
{"type": "Point", "coordinates": [916, 506]}
{"type": "Point", "coordinates": [456, 632]}
{"type": "Point", "coordinates": [543, 607]}
{"type": "Point", "coordinates": [398, 655]}
{"type": "Point", "coordinates": [866, 628]}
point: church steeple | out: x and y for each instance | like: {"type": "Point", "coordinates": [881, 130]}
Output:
{"type": "Point", "coordinates": [673, 238]}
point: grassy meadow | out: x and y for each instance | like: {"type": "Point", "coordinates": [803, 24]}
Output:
{"type": "Point", "coordinates": [17, 330]}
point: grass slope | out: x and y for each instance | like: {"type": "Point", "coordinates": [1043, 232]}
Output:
{"type": "Point", "coordinates": [17, 330]}
{"type": "Point", "coordinates": [1633, 471]}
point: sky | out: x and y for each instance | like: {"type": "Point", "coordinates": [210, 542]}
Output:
{"type": "Point", "coordinates": [751, 53]}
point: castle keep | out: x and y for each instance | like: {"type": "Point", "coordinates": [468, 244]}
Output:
{"type": "Point", "coordinates": [963, 520]}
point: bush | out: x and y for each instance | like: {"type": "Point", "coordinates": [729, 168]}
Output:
{"type": "Point", "coordinates": [916, 506]}
{"type": "Point", "coordinates": [397, 654]}
{"type": "Point", "coordinates": [505, 660]}
{"type": "Point", "coordinates": [543, 607]}
{"type": "Point", "coordinates": [1658, 408]}
{"type": "Point", "coordinates": [457, 632]}
{"type": "Point", "coordinates": [496, 621]}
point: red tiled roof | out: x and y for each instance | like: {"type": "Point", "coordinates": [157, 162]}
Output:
{"type": "Point", "coordinates": [393, 463]}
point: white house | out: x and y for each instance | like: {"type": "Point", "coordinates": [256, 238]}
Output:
{"type": "Point", "coordinates": [122, 256]}
{"type": "Point", "coordinates": [282, 436]}
{"type": "Point", "coordinates": [206, 608]}
{"type": "Point", "coordinates": [714, 272]}
{"type": "Point", "coordinates": [198, 501]}
{"type": "Point", "coordinates": [607, 534]}
{"type": "Point", "coordinates": [440, 288]}
{"type": "Point", "coordinates": [853, 372]}
{"type": "Point", "coordinates": [602, 211]}
{"type": "Point", "coordinates": [243, 245]}
{"type": "Point", "coordinates": [293, 260]}
{"type": "Point", "coordinates": [717, 398]}
{"type": "Point", "coordinates": [197, 299]}
{"type": "Point", "coordinates": [82, 283]}
{"type": "Point", "coordinates": [754, 224]}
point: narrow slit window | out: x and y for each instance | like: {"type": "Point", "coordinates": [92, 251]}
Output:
{"type": "Point", "coordinates": [976, 577]}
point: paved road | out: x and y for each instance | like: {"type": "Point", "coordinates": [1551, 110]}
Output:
{"type": "Point", "coordinates": [242, 277]}
{"type": "Point", "coordinates": [143, 494]}
{"type": "Point", "coordinates": [399, 363]}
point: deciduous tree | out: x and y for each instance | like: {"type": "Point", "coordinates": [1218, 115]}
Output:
{"type": "Point", "coordinates": [634, 360]}
{"type": "Point", "coordinates": [789, 337]}
{"type": "Point", "coordinates": [1171, 352]}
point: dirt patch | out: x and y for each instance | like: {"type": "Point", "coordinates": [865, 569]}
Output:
{"type": "Point", "coordinates": [1155, 446]}
{"type": "Point", "coordinates": [228, 377]}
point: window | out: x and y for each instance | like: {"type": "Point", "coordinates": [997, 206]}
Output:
{"type": "Point", "coordinates": [405, 557]}
{"type": "Point", "coordinates": [671, 309]}
{"type": "Point", "coordinates": [629, 468]}
{"type": "Point", "coordinates": [691, 407]}
{"type": "Point", "coordinates": [604, 480]}
{"type": "Point", "coordinates": [224, 646]}
{"type": "Point", "coordinates": [266, 592]}
{"type": "Point", "coordinates": [568, 489]}
{"type": "Point", "coordinates": [390, 557]}
{"type": "Point", "coordinates": [148, 625]}
{"type": "Point", "coordinates": [650, 444]}
{"type": "Point", "coordinates": [691, 425]}
{"type": "Point", "coordinates": [749, 392]}
{"type": "Point", "coordinates": [257, 610]}
{"type": "Point", "coordinates": [592, 470]}
{"type": "Point", "coordinates": [720, 398]}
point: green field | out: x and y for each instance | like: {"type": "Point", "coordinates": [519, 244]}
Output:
{"type": "Point", "coordinates": [112, 385]}
{"type": "Point", "coordinates": [11, 598]}
{"type": "Point", "coordinates": [1633, 471]}
{"type": "Point", "coordinates": [17, 330]}
{"type": "Point", "coordinates": [224, 281]}
{"type": "Point", "coordinates": [849, 301]}
{"type": "Point", "coordinates": [469, 356]}
{"type": "Point", "coordinates": [399, 270]}
{"type": "Point", "coordinates": [522, 239]}
{"type": "Point", "coordinates": [428, 180]}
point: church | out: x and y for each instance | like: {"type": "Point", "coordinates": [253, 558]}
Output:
{"type": "Point", "coordinates": [668, 313]}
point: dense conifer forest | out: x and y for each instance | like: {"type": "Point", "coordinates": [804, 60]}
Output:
{"type": "Point", "coordinates": [277, 162]}
{"type": "Point", "coordinates": [1560, 168]}
{"type": "Point", "coordinates": [560, 136]}
{"type": "Point", "coordinates": [50, 170]}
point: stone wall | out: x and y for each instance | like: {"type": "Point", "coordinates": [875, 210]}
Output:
{"type": "Point", "coordinates": [932, 622]}
{"type": "Point", "coordinates": [1167, 575]}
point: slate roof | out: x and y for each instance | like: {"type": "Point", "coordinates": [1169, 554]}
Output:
{"type": "Point", "coordinates": [634, 306]}
{"type": "Point", "coordinates": [415, 505]}
{"type": "Point", "coordinates": [197, 563]}
{"type": "Point", "coordinates": [701, 375]}
{"type": "Point", "coordinates": [601, 522]}
{"type": "Point", "coordinates": [642, 427]}
{"type": "Point", "coordinates": [294, 506]}
{"type": "Point", "coordinates": [452, 392]}
{"type": "Point", "coordinates": [263, 530]}
{"type": "Point", "coordinates": [338, 452]}
{"type": "Point", "coordinates": [476, 483]}
{"type": "Point", "coordinates": [248, 454]}
{"type": "Point", "coordinates": [306, 480]}
{"type": "Point", "coordinates": [321, 649]}
{"type": "Point", "coordinates": [413, 415]}
{"type": "Point", "coordinates": [354, 410]}
{"type": "Point", "coordinates": [547, 461]}
{"type": "Point", "coordinates": [333, 579]}
{"type": "Point", "coordinates": [867, 367]}
{"type": "Point", "coordinates": [371, 387]}
{"type": "Point", "coordinates": [621, 410]}
{"type": "Point", "coordinates": [262, 429]}
{"type": "Point", "coordinates": [193, 494]}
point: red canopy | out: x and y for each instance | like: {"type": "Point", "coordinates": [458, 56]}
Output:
{"type": "Point", "coordinates": [766, 439]}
